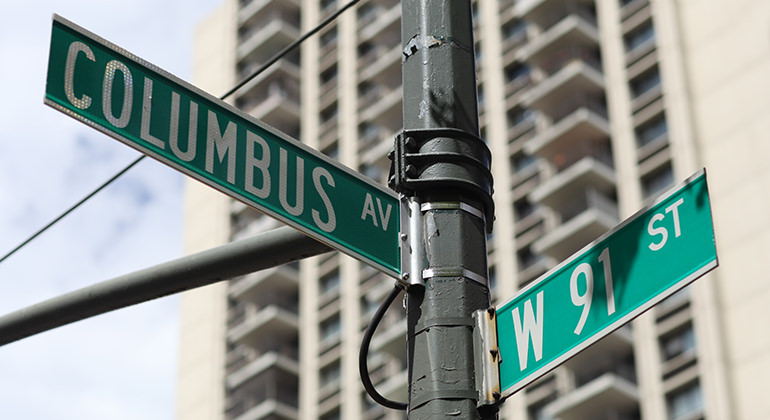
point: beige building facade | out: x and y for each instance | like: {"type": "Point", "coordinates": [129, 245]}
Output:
{"type": "Point", "coordinates": [590, 108]}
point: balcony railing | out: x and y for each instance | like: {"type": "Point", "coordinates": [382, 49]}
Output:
{"type": "Point", "coordinates": [567, 55]}
{"type": "Point", "coordinates": [285, 17]}
{"type": "Point", "coordinates": [243, 355]}
{"type": "Point", "coordinates": [556, 17]}
{"type": "Point", "coordinates": [592, 199]}
{"type": "Point", "coordinates": [569, 107]}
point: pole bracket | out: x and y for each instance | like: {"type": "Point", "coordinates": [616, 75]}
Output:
{"type": "Point", "coordinates": [429, 160]}
{"type": "Point", "coordinates": [487, 357]}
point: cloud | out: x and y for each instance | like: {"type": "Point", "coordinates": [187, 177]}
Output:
{"type": "Point", "coordinates": [123, 364]}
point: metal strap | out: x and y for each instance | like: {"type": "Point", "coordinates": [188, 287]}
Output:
{"type": "Point", "coordinates": [454, 272]}
{"type": "Point", "coordinates": [453, 205]}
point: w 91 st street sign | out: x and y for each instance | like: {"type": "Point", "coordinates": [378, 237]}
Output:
{"type": "Point", "coordinates": [172, 121]}
{"type": "Point", "coordinates": [648, 257]}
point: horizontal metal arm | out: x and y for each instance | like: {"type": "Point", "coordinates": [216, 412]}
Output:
{"type": "Point", "coordinates": [269, 249]}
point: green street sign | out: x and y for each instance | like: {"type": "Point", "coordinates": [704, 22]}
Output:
{"type": "Point", "coordinates": [131, 100]}
{"type": "Point", "coordinates": [648, 257]}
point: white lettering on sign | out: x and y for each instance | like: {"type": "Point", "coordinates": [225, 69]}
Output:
{"type": "Point", "coordinates": [299, 192]}
{"type": "Point", "coordinates": [586, 298]}
{"type": "Point", "coordinates": [331, 222]}
{"type": "Point", "coordinates": [69, 74]}
{"type": "Point", "coordinates": [128, 93]}
{"type": "Point", "coordinates": [222, 143]}
{"type": "Point", "coordinates": [146, 113]}
{"type": "Point", "coordinates": [192, 132]}
{"type": "Point", "coordinates": [262, 165]}
{"type": "Point", "coordinates": [369, 210]}
{"type": "Point", "coordinates": [662, 231]}
{"type": "Point", "coordinates": [531, 329]}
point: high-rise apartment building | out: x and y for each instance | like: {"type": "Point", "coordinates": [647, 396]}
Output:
{"type": "Point", "coordinates": [590, 107]}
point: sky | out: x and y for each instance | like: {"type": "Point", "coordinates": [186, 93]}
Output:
{"type": "Point", "coordinates": [120, 365]}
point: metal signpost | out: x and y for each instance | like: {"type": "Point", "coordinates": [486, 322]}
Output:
{"type": "Point", "coordinates": [645, 259]}
{"type": "Point", "coordinates": [189, 130]}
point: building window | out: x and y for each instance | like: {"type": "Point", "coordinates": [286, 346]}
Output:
{"type": "Point", "coordinates": [330, 329]}
{"type": "Point", "coordinates": [522, 161]}
{"type": "Point", "coordinates": [516, 71]}
{"type": "Point", "coordinates": [330, 374]}
{"type": "Point", "coordinates": [515, 31]}
{"type": "Point", "coordinates": [652, 130]}
{"type": "Point", "coordinates": [492, 281]}
{"type": "Point", "coordinates": [328, 37]}
{"type": "Point", "coordinates": [329, 74]}
{"type": "Point", "coordinates": [327, 4]}
{"type": "Point", "coordinates": [657, 181]}
{"type": "Point", "coordinates": [685, 402]}
{"type": "Point", "coordinates": [330, 282]}
{"type": "Point", "coordinates": [328, 113]}
{"type": "Point", "coordinates": [367, 12]}
{"type": "Point", "coordinates": [334, 415]}
{"type": "Point", "coordinates": [645, 83]}
{"type": "Point", "coordinates": [639, 36]}
{"type": "Point", "coordinates": [677, 343]}
{"type": "Point", "coordinates": [538, 412]}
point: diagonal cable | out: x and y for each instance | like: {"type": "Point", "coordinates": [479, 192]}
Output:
{"type": "Point", "coordinates": [240, 84]}
{"type": "Point", "coordinates": [71, 209]}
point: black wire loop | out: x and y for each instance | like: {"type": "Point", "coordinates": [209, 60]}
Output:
{"type": "Point", "coordinates": [363, 368]}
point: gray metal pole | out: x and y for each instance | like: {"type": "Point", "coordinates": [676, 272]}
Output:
{"type": "Point", "coordinates": [442, 165]}
{"type": "Point", "coordinates": [269, 249]}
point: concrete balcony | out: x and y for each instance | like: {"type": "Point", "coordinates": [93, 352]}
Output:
{"type": "Point", "coordinates": [266, 40]}
{"type": "Point", "coordinates": [616, 346]}
{"type": "Point", "coordinates": [270, 395]}
{"type": "Point", "coordinates": [640, 51]}
{"type": "Point", "coordinates": [545, 13]}
{"type": "Point", "coordinates": [395, 387]}
{"type": "Point", "coordinates": [392, 338]}
{"type": "Point", "coordinates": [387, 24]}
{"type": "Point", "coordinates": [270, 410]}
{"type": "Point", "coordinates": [588, 172]}
{"type": "Point", "coordinates": [386, 111]}
{"type": "Point", "coordinates": [282, 362]}
{"type": "Point", "coordinates": [382, 65]}
{"type": "Point", "coordinates": [571, 30]}
{"type": "Point", "coordinates": [369, 11]}
{"type": "Point", "coordinates": [282, 280]}
{"type": "Point", "coordinates": [525, 180]}
{"type": "Point", "coordinates": [523, 129]}
{"type": "Point", "coordinates": [279, 108]}
{"type": "Point", "coordinates": [583, 123]}
{"type": "Point", "coordinates": [573, 76]}
{"type": "Point", "coordinates": [281, 70]}
{"type": "Point", "coordinates": [609, 396]}
{"type": "Point", "coordinates": [257, 10]}
{"type": "Point", "coordinates": [533, 271]}
{"type": "Point", "coordinates": [272, 323]}
{"type": "Point", "coordinates": [588, 217]}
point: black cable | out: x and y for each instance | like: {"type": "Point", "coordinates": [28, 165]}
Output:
{"type": "Point", "coordinates": [63, 215]}
{"type": "Point", "coordinates": [256, 73]}
{"type": "Point", "coordinates": [363, 368]}
{"type": "Point", "coordinates": [290, 47]}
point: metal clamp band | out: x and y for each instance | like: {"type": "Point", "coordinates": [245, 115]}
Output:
{"type": "Point", "coordinates": [454, 272]}
{"type": "Point", "coordinates": [452, 205]}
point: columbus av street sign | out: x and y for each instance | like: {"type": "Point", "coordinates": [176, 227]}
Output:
{"type": "Point", "coordinates": [645, 259]}
{"type": "Point", "coordinates": [172, 121]}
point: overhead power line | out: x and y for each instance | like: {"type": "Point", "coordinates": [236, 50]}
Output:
{"type": "Point", "coordinates": [239, 85]}
{"type": "Point", "coordinates": [71, 209]}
